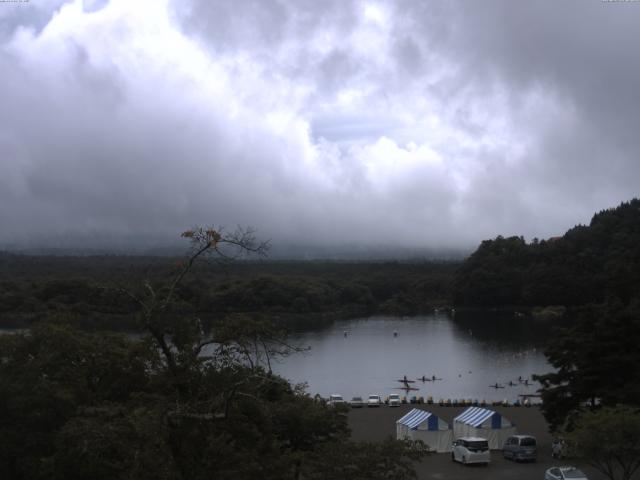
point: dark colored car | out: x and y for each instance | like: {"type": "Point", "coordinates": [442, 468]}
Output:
{"type": "Point", "coordinates": [520, 448]}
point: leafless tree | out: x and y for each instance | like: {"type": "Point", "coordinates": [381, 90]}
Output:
{"type": "Point", "coordinates": [181, 340]}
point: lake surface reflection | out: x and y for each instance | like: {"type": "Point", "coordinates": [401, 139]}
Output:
{"type": "Point", "coordinates": [469, 353]}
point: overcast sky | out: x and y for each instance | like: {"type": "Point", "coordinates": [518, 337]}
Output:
{"type": "Point", "coordinates": [326, 122]}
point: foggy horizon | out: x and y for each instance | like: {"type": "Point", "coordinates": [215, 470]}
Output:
{"type": "Point", "coordinates": [171, 246]}
{"type": "Point", "coordinates": [360, 126]}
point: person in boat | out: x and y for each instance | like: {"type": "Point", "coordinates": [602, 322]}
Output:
{"type": "Point", "coordinates": [433, 377]}
{"type": "Point", "coordinates": [404, 379]}
{"type": "Point", "coordinates": [520, 378]}
{"type": "Point", "coordinates": [424, 379]}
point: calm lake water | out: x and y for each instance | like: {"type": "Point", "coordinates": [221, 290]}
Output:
{"type": "Point", "coordinates": [469, 352]}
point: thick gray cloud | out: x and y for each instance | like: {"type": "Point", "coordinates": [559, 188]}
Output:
{"type": "Point", "coordinates": [374, 123]}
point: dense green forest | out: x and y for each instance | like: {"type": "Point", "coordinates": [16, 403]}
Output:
{"type": "Point", "coordinates": [77, 404]}
{"type": "Point", "coordinates": [586, 265]}
{"type": "Point", "coordinates": [85, 290]}
{"type": "Point", "coordinates": [591, 271]}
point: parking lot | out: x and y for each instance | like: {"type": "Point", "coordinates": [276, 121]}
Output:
{"type": "Point", "coordinates": [376, 424]}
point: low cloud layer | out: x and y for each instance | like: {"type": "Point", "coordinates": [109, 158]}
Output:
{"type": "Point", "coordinates": [408, 123]}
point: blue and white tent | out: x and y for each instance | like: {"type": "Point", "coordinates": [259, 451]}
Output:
{"type": "Point", "coordinates": [481, 422]}
{"type": "Point", "coordinates": [425, 426]}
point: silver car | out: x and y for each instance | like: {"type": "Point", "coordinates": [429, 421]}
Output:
{"type": "Point", "coordinates": [564, 473]}
{"type": "Point", "coordinates": [520, 448]}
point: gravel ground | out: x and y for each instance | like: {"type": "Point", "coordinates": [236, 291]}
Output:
{"type": "Point", "coordinates": [376, 424]}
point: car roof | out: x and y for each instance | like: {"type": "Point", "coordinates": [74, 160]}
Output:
{"type": "Point", "coordinates": [473, 439]}
{"type": "Point", "coordinates": [522, 436]}
{"type": "Point", "coordinates": [568, 468]}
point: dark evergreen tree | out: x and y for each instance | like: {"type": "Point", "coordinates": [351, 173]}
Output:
{"type": "Point", "coordinates": [597, 362]}
{"type": "Point", "coordinates": [586, 265]}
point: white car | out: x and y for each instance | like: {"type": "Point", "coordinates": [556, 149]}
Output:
{"type": "Point", "coordinates": [394, 400]}
{"type": "Point", "coordinates": [374, 401]}
{"type": "Point", "coordinates": [471, 450]}
{"type": "Point", "coordinates": [562, 473]}
{"type": "Point", "coordinates": [336, 399]}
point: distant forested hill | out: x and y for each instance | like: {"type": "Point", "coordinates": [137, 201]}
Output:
{"type": "Point", "coordinates": [586, 265]}
{"type": "Point", "coordinates": [83, 290]}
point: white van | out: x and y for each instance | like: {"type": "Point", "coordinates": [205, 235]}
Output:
{"type": "Point", "coordinates": [394, 400]}
{"type": "Point", "coordinates": [471, 450]}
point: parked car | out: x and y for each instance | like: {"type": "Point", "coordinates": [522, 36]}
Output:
{"type": "Point", "coordinates": [357, 402]}
{"type": "Point", "coordinates": [374, 401]}
{"type": "Point", "coordinates": [471, 450]}
{"type": "Point", "coordinates": [336, 399]}
{"type": "Point", "coordinates": [520, 448]}
{"type": "Point", "coordinates": [394, 400]}
{"type": "Point", "coordinates": [562, 473]}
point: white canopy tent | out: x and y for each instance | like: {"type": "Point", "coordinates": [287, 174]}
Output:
{"type": "Point", "coordinates": [425, 426]}
{"type": "Point", "coordinates": [481, 422]}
